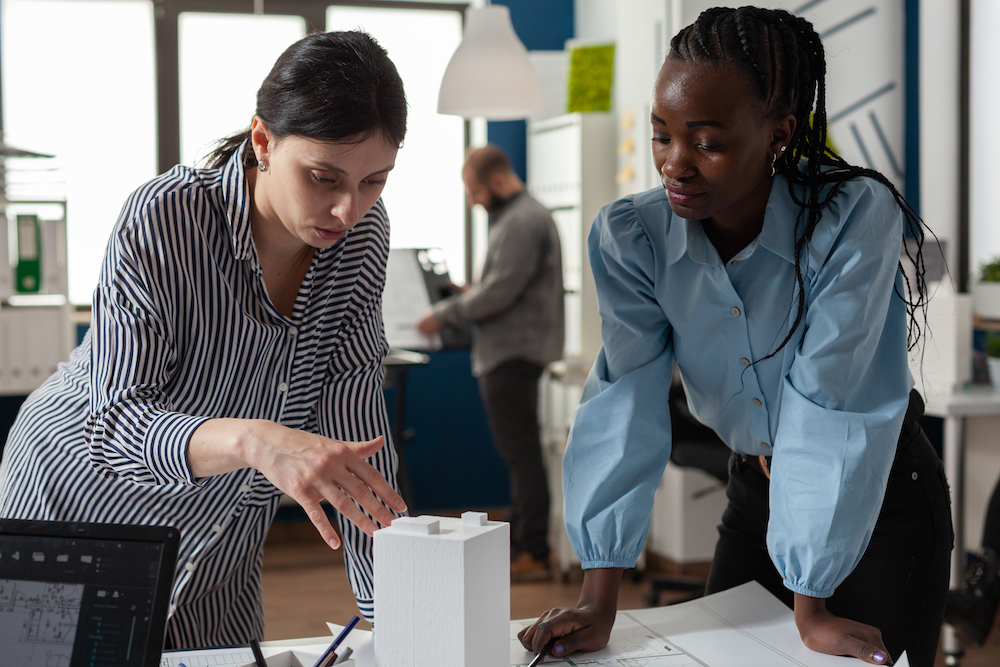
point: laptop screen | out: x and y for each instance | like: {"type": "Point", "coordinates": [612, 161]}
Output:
{"type": "Point", "coordinates": [84, 595]}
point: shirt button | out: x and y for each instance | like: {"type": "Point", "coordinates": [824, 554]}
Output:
{"type": "Point", "coordinates": [172, 609]}
{"type": "Point", "coordinates": [756, 402]}
{"type": "Point", "coordinates": [914, 476]}
{"type": "Point", "coordinates": [736, 311]}
{"type": "Point", "coordinates": [217, 527]}
{"type": "Point", "coordinates": [244, 488]}
{"type": "Point", "coordinates": [292, 333]}
{"type": "Point", "coordinates": [745, 361]}
{"type": "Point", "coordinates": [282, 387]}
{"type": "Point", "coordinates": [765, 445]}
{"type": "Point", "coordinates": [189, 567]}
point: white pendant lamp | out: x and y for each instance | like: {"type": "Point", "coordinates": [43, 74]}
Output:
{"type": "Point", "coordinates": [490, 74]}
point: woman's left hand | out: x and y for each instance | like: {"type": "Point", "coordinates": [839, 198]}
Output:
{"type": "Point", "coordinates": [823, 632]}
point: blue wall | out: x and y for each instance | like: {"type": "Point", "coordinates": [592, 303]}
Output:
{"type": "Point", "coordinates": [542, 25]}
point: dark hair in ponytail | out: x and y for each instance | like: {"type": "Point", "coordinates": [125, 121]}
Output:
{"type": "Point", "coordinates": [330, 86]}
{"type": "Point", "coordinates": [783, 56]}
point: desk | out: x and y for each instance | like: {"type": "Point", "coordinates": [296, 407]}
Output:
{"type": "Point", "coordinates": [396, 363]}
{"type": "Point", "coordinates": [955, 408]}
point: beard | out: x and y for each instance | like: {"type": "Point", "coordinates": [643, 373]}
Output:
{"type": "Point", "coordinates": [494, 203]}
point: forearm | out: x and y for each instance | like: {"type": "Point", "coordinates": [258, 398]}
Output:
{"type": "Point", "coordinates": [600, 588]}
{"type": "Point", "coordinates": [219, 446]}
{"type": "Point", "coordinates": [807, 608]}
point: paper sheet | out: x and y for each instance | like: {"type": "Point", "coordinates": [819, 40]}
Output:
{"type": "Point", "coordinates": [404, 302]}
{"type": "Point", "coordinates": [742, 627]}
{"type": "Point", "coordinates": [360, 641]}
{"type": "Point", "coordinates": [206, 657]}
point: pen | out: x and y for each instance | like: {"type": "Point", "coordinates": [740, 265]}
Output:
{"type": "Point", "coordinates": [330, 653]}
{"type": "Point", "coordinates": [541, 656]}
{"type": "Point", "coordinates": [344, 656]}
{"type": "Point", "coordinates": [258, 657]}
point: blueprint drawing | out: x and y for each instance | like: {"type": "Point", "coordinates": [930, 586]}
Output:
{"type": "Point", "coordinates": [38, 622]}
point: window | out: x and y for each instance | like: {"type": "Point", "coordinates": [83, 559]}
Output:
{"type": "Point", "coordinates": [424, 196]}
{"type": "Point", "coordinates": [223, 60]}
{"type": "Point", "coordinates": [94, 110]}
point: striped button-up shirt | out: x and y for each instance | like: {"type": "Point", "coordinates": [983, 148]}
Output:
{"type": "Point", "coordinates": [183, 331]}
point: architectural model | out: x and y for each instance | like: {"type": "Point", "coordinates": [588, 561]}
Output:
{"type": "Point", "coordinates": [442, 592]}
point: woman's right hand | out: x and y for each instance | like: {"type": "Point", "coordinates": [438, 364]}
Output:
{"type": "Point", "coordinates": [586, 628]}
{"type": "Point", "coordinates": [306, 466]}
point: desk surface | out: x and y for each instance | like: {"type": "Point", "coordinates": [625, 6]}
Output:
{"type": "Point", "coordinates": [973, 401]}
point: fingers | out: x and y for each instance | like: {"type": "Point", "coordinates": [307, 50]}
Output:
{"type": "Point", "coordinates": [851, 639]}
{"type": "Point", "coordinates": [865, 643]}
{"type": "Point", "coordinates": [572, 629]}
{"type": "Point", "coordinates": [319, 519]}
{"type": "Point", "coordinates": [874, 653]}
{"type": "Point", "coordinates": [368, 448]}
{"type": "Point", "coordinates": [373, 479]}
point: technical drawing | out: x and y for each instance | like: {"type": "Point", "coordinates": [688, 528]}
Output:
{"type": "Point", "coordinates": [38, 621]}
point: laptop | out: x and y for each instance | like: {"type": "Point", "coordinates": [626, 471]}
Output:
{"type": "Point", "coordinates": [84, 594]}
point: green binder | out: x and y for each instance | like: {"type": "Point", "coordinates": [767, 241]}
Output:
{"type": "Point", "coordinates": [29, 254]}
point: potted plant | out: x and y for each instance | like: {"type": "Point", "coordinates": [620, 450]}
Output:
{"type": "Point", "coordinates": [993, 358]}
{"type": "Point", "coordinates": [986, 292]}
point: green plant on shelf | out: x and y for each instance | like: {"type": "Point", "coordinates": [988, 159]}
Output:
{"type": "Point", "coordinates": [993, 345]}
{"type": "Point", "coordinates": [989, 272]}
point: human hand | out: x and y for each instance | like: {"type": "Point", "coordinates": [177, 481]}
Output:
{"type": "Point", "coordinates": [823, 632]}
{"type": "Point", "coordinates": [311, 468]}
{"type": "Point", "coordinates": [586, 628]}
{"type": "Point", "coordinates": [428, 324]}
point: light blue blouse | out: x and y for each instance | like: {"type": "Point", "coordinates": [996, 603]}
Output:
{"type": "Point", "coordinates": [828, 407]}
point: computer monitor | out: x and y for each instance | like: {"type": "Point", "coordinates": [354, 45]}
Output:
{"type": "Point", "coordinates": [83, 594]}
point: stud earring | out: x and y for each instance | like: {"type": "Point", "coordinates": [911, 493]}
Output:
{"type": "Point", "coordinates": [263, 167]}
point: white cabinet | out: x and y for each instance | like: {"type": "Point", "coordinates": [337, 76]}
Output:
{"type": "Point", "coordinates": [36, 329]}
{"type": "Point", "coordinates": [33, 340]}
{"type": "Point", "coordinates": [571, 171]}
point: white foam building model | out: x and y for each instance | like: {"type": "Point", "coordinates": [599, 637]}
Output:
{"type": "Point", "coordinates": [442, 592]}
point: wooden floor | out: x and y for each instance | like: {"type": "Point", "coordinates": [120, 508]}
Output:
{"type": "Point", "coordinates": [305, 585]}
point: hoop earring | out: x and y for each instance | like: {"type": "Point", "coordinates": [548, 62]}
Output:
{"type": "Point", "coordinates": [263, 167]}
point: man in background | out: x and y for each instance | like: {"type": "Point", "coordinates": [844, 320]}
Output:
{"type": "Point", "coordinates": [516, 312]}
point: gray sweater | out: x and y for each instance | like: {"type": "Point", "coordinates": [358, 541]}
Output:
{"type": "Point", "coordinates": [516, 309]}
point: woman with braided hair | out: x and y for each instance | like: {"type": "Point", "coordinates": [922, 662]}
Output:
{"type": "Point", "coordinates": [768, 269]}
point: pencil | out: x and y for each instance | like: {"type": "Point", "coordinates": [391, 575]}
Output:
{"type": "Point", "coordinates": [541, 656]}
{"type": "Point", "coordinates": [258, 657]}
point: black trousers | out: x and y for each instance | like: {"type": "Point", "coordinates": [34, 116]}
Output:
{"type": "Point", "coordinates": [510, 396]}
{"type": "Point", "coordinates": [901, 582]}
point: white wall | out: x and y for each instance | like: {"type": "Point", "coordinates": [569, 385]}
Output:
{"type": "Point", "coordinates": [984, 144]}
{"type": "Point", "coordinates": [594, 20]}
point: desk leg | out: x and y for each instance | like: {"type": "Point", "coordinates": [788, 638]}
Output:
{"type": "Point", "coordinates": [399, 436]}
{"type": "Point", "coordinates": [954, 467]}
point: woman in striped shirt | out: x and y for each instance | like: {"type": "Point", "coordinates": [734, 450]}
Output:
{"type": "Point", "coordinates": [236, 347]}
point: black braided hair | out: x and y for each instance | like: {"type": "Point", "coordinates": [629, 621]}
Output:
{"type": "Point", "coordinates": [784, 57]}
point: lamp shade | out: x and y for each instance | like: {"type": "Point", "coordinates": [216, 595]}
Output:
{"type": "Point", "coordinates": [490, 74]}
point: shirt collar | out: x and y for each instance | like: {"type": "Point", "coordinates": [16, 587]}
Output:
{"type": "Point", "coordinates": [780, 221]}
{"type": "Point", "coordinates": [236, 193]}
{"type": "Point", "coordinates": [777, 235]}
